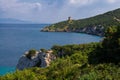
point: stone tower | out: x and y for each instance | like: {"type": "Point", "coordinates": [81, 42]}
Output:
{"type": "Point", "coordinates": [69, 18]}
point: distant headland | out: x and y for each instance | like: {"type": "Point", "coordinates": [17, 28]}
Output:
{"type": "Point", "coordinates": [94, 25]}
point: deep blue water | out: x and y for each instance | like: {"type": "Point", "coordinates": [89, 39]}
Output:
{"type": "Point", "coordinates": [15, 39]}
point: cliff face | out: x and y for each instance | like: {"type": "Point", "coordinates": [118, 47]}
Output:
{"type": "Point", "coordinates": [94, 30]}
{"type": "Point", "coordinates": [40, 59]}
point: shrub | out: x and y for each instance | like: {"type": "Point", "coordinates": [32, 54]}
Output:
{"type": "Point", "coordinates": [31, 53]}
{"type": "Point", "coordinates": [43, 50]}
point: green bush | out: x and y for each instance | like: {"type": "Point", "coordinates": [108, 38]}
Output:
{"type": "Point", "coordinates": [31, 53]}
{"type": "Point", "coordinates": [43, 50]}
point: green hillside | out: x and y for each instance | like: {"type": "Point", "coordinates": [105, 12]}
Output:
{"type": "Point", "coordinates": [104, 20]}
{"type": "Point", "coordinates": [93, 61]}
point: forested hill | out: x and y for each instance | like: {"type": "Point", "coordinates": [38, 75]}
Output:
{"type": "Point", "coordinates": [94, 25]}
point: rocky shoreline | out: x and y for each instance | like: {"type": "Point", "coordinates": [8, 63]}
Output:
{"type": "Point", "coordinates": [93, 30]}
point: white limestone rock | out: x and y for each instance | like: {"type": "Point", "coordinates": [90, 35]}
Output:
{"type": "Point", "coordinates": [40, 59]}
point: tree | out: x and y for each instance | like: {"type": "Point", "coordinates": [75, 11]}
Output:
{"type": "Point", "coordinates": [109, 52]}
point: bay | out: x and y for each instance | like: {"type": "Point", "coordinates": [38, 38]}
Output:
{"type": "Point", "coordinates": [15, 39]}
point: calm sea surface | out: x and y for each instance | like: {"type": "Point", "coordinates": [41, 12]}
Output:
{"type": "Point", "coordinates": [15, 39]}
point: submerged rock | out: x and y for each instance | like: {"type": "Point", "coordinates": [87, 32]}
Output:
{"type": "Point", "coordinates": [39, 59]}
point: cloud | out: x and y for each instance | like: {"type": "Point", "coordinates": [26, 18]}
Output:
{"type": "Point", "coordinates": [37, 6]}
{"type": "Point", "coordinates": [113, 1]}
{"type": "Point", "coordinates": [46, 11]}
{"type": "Point", "coordinates": [79, 3]}
{"type": "Point", "coordinates": [13, 8]}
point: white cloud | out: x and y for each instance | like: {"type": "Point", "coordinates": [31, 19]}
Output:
{"type": "Point", "coordinates": [14, 8]}
{"type": "Point", "coordinates": [79, 3]}
{"type": "Point", "coordinates": [111, 1]}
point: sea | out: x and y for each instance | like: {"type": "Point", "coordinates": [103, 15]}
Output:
{"type": "Point", "coordinates": [15, 39]}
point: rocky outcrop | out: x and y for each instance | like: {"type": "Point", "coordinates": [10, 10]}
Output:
{"type": "Point", "coordinates": [40, 59]}
{"type": "Point", "coordinates": [94, 30]}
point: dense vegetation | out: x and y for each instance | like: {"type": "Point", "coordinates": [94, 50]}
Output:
{"type": "Point", "coordinates": [93, 61]}
{"type": "Point", "coordinates": [105, 20]}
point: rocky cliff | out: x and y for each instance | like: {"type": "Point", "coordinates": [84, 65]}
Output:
{"type": "Point", "coordinates": [94, 30]}
{"type": "Point", "coordinates": [39, 59]}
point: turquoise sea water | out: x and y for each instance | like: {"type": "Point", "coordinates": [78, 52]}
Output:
{"type": "Point", "coordinates": [5, 70]}
{"type": "Point", "coordinates": [15, 39]}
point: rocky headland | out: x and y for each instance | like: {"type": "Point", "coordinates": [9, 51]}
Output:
{"type": "Point", "coordinates": [94, 30]}
{"type": "Point", "coordinates": [34, 58]}
{"type": "Point", "coordinates": [95, 25]}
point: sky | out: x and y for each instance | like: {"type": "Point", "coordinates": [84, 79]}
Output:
{"type": "Point", "coordinates": [52, 11]}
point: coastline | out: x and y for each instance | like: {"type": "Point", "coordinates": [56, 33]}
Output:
{"type": "Point", "coordinates": [87, 30]}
